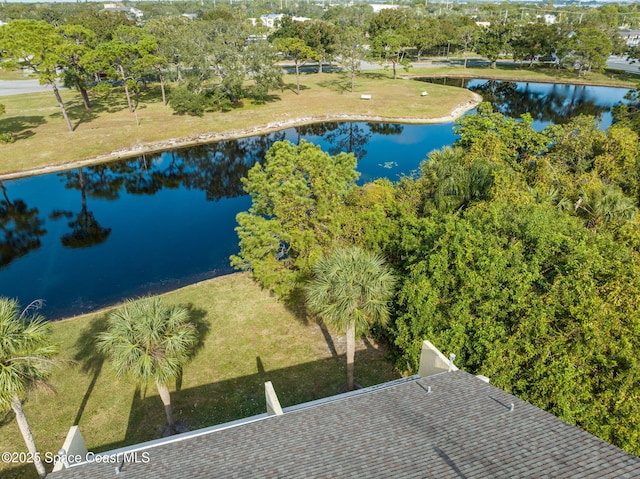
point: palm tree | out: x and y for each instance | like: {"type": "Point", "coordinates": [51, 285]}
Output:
{"type": "Point", "coordinates": [148, 340]}
{"type": "Point", "coordinates": [454, 183]}
{"type": "Point", "coordinates": [25, 357]}
{"type": "Point", "coordinates": [350, 291]}
{"type": "Point", "coordinates": [605, 206]}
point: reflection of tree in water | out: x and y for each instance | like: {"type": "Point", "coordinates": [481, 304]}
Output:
{"type": "Point", "coordinates": [85, 229]}
{"type": "Point", "coordinates": [315, 129]}
{"type": "Point", "coordinates": [349, 137]}
{"type": "Point", "coordinates": [218, 168]}
{"type": "Point", "coordinates": [20, 228]}
{"type": "Point", "coordinates": [386, 129]}
{"type": "Point", "coordinates": [554, 105]}
{"type": "Point", "coordinates": [170, 177]}
{"type": "Point", "coordinates": [139, 175]}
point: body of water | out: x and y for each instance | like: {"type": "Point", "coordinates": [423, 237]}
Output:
{"type": "Point", "coordinates": [90, 237]}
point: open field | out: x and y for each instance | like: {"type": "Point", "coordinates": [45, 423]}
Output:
{"type": "Point", "coordinates": [248, 338]}
{"type": "Point", "coordinates": [43, 139]}
{"type": "Point", "coordinates": [538, 73]}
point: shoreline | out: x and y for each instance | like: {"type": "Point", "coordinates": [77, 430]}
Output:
{"type": "Point", "coordinates": [210, 137]}
{"type": "Point", "coordinates": [503, 78]}
{"type": "Point", "coordinates": [106, 309]}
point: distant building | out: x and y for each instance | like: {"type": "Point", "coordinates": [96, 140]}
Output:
{"type": "Point", "coordinates": [271, 20]}
{"type": "Point", "coordinates": [378, 7]}
{"type": "Point", "coordinates": [630, 37]}
{"type": "Point", "coordinates": [130, 12]}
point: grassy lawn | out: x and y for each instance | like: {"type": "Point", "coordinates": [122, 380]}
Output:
{"type": "Point", "coordinates": [537, 73]}
{"type": "Point", "coordinates": [15, 75]}
{"type": "Point", "coordinates": [248, 338]}
{"type": "Point", "coordinates": [43, 139]}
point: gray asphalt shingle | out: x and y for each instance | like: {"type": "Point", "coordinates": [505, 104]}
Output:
{"type": "Point", "coordinates": [461, 429]}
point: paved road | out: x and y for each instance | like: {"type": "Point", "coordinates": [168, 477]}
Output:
{"type": "Point", "coordinates": [621, 63]}
{"type": "Point", "coordinates": [16, 87]}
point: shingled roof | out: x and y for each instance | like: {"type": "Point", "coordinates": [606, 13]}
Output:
{"type": "Point", "coordinates": [450, 425]}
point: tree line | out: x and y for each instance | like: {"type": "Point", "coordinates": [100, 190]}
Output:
{"type": "Point", "coordinates": [219, 59]}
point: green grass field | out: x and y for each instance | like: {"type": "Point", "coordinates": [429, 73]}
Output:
{"type": "Point", "coordinates": [43, 139]}
{"type": "Point", "coordinates": [537, 73]}
{"type": "Point", "coordinates": [248, 338]}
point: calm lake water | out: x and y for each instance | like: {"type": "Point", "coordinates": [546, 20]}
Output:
{"type": "Point", "coordinates": [90, 237]}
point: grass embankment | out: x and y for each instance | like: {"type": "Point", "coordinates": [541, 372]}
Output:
{"type": "Point", "coordinates": [43, 139]}
{"type": "Point", "coordinates": [249, 338]}
{"type": "Point", "coordinates": [537, 73]}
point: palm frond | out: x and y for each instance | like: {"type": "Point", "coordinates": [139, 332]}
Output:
{"type": "Point", "coordinates": [148, 340]}
{"type": "Point", "coordinates": [26, 351]}
{"type": "Point", "coordinates": [350, 286]}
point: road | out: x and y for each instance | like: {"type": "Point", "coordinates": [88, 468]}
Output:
{"type": "Point", "coordinates": [17, 87]}
{"type": "Point", "coordinates": [621, 63]}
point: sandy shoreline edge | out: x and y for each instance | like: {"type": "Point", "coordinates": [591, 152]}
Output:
{"type": "Point", "coordinates": [202, 138]}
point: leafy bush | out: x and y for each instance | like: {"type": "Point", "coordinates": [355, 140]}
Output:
{"type": "Point", "coordinates": [184, 101]}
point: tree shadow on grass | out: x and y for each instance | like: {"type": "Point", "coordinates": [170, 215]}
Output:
{"type": "Point", "coordinates": [370, 75]}
{"type": "Point", "coordinates": [23, 471]}
{"type": "Point", "coordinates": [293, 87]}
{"type": "Point", "coordinates": [223, 401]}
{"type": "Point", "coordinates": [341, 84]}
{"type": "Point", "coordinates": [20, 126]}
{"type": "Point", "coordinates": [79, 115]}
{"type": "Point", "coordinates": [197, 317]}
{"type": "Point", "coordinates": [89, 358]}
{"type": "Point", "coordinates": [296, 305]}
{"type": "Point", "coordinates": [264, 99]}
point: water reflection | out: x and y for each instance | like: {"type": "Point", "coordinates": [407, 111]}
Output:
{"type": "Point", "coordinates": [20, 228]}
{"type": "Point", "coordinates": [556, 104]}
{"type": "Point", "coordinates": [545, 102]}
{"type": "Point", "coordinates": [89, 237]}
{"type": "Point", "coordinates": [85, 229]}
